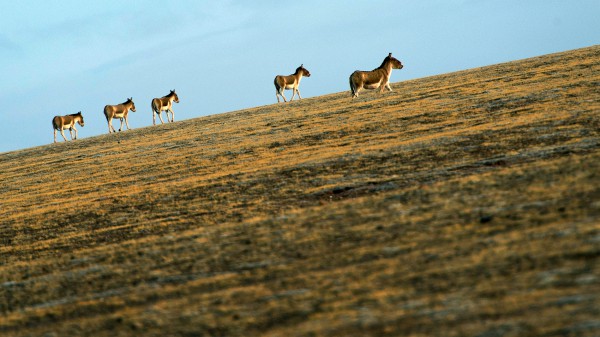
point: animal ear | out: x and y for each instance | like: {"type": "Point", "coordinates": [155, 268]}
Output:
{"type": "Point", "coordinates": [390, 55]}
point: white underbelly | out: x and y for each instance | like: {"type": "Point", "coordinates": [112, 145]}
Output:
{"type": "Point", "coordinates": [121, 115]}
{"type": "Point", "coordinates": [372, 86]}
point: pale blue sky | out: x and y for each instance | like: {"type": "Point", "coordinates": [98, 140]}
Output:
{"type": "Point", "coordinates": [61, 57]}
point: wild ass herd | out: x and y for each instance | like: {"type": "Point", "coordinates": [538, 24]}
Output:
{"type": "Point", "coordinates": [378, 78]}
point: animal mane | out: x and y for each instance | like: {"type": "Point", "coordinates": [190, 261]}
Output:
{"type": "Point", "coordinates": [385, 60]}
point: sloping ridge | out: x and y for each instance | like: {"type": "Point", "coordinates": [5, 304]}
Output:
{"type": "Point", "coordinates": [460, 204]}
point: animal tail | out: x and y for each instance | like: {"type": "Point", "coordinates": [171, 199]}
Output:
{"type": "Point", "coordinates": [352, 86]}
{"type": "Point", "coordinates": [277, 85]}
{"type": "Point", "coordinates": [54, 124]}
{"type": "Point", "coordinates": [106, 114]}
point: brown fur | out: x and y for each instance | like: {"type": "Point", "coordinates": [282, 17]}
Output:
{"type": "Point", "coordinates": [376, 78]}
{"type": "Point", "coordinates": [60, 123]}
{"type": "Point", "coordinates": [290, 82]}
{"type": "Point", "coordinates": [119, 111]}
{"type": "Point", "coordinates": [164, 103]}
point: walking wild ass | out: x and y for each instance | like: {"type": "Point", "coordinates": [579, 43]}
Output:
{"type": "Point", "coordinates": [290, 82]}
{"type": "Point", "coordinates": [376, 78]}
{"type": "Point", "coordinates": [165, 104]}
{"type": "Point", "coordinates": [60, 123]}
{"type": "Point", "coordinates": [119, 111]}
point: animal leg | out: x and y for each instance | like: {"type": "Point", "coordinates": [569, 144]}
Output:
{"type": "Point", "coordinates": [62, 133]}
{"type": "Point", "coordinates": [382, 87]}
{"type": "Point", "coordinates": [55, 135]}
{"type": "Point", "coordinates": [388, 87]}
{"type": "Point", "coordinates": [71, 133]}
{"type": "Point", "coordinates": [293, 93]}
{"type": "Point", "coordinates": [74, 129]}
{"type": "Point", "coordinates": [160, 117]}
{"type": "Point", "coordinates": [121, 127]}
{"type": "Point", "coordinates": [126, 123]}
{"type": "Point", "coordinates": [111, 128]}
{"type": "Point", "coordinates": [298, 91]}
{"type": "Point", "coordinates": [155, 111]}
{"type": "Point", "coordinates": [172, 115]}
{"type": "Point", "coordinates": [356, 91]}
{"type": "Point", "coordinates": [108, 119]}
{"type": "Point", "coordinates": [280, 93]}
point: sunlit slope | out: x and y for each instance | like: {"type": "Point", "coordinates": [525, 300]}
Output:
{"type": "Point", "coordinates": [461, 204]}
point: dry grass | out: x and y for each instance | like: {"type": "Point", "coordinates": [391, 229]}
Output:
{"type": "Point", "coordinates": [460, 204]}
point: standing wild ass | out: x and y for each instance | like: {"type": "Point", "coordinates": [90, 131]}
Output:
{"type": "Point", "coordinates": [119, 111]}
{"type": "Point", "coordinates": [165, 104]}
{"type": "Point", "coordinates": [376, 78]}
{"type": "Point", "coordinates": [290, 82]}
{"type": "Point", "coordinates": [67, 122]}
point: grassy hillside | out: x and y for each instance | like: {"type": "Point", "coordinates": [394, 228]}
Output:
{"type": "Point", "coordinates": [465, 204]}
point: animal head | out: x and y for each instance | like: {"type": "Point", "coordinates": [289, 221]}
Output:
{"type": "Point", "coordinates": [132, 104]}
{"type": "Point", "coordinates": [80, 121]}
{"type": "Point", "coordinates": [395, 63]}
{"type": "Point", "coordinates": [175, 97]}
{"type": "Point", "coordinates": [303, 71]}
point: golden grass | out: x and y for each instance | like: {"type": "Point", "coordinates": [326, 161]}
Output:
{"type": "Point", "coordinates": [460, 204]}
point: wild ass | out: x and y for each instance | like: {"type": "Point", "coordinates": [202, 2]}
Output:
{"type": "Point", "coordinates": [119, 111]}
{"type": "Point", "coordinates": [290, 82]}
{"type": "Point", "coordinates": [67, 122]}
{"type": "Point", "coordinates": [164, 103]}
{"type": "Point", "coordinates": [376, 78]}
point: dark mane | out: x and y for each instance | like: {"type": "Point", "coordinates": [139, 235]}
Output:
{"type": "Point", "coordinates": [385, 60]}
{"type": "Point", "coordinates": [73, 115]}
